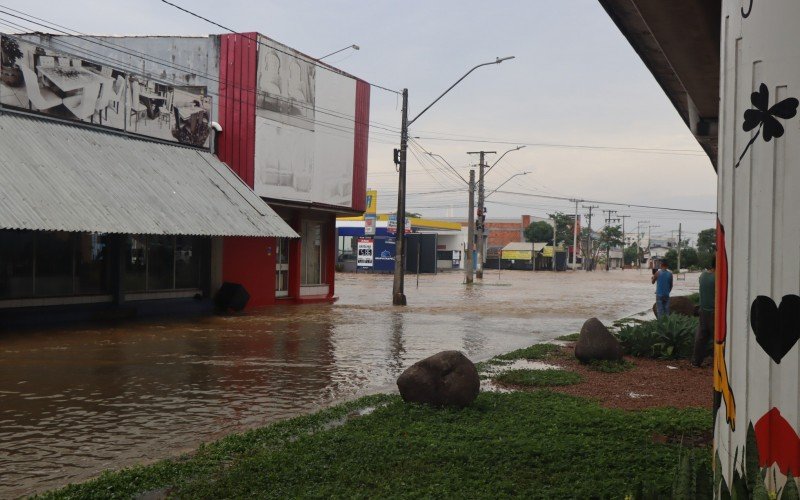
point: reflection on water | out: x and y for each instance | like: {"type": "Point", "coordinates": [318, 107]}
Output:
{"type": "Point", "coordinates": [76, 401]}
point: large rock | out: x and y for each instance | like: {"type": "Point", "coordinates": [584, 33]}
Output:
{"type": "Point", "coordinates": [680, 305]}
{"type": "Point", "coordinates": [444, 379]}
{"type": "Point", "coordinates": [595, 342]}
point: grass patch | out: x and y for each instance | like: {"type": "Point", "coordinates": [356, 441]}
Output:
{"type": "Point", "coordinates": [572, 337]}
{"type": "Point", "coordinates": [528, 444]}
{"type": "Point", "coordinates": [607, 366]}
{"type": "Point", "coordinates": [539, 378]}
{"type": "Point", "coordinates": [534, 352]}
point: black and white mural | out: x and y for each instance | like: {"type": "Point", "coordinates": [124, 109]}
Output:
{"type": "Point", "coordinates": [37, 78]}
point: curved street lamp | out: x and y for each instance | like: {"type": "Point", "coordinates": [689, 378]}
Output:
{"type": "Point", "coordinates": [398, 294]}
{"type": "Point", "coordinates": [354, 47]}
{"type": "Point", "coordinates": [505, 182]}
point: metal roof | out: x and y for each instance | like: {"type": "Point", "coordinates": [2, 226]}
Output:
{"type": "Point", "coordinates": [60, 177]}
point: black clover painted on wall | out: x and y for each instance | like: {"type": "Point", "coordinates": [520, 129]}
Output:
{"type": "Point", "coordinates": [765, 118]}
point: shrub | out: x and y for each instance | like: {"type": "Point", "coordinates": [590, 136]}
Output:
{"type": "Point", "coordinates": [670, 337]}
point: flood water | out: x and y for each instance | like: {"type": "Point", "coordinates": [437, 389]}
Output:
{"type": "Point", "coordinates": [76, 401]}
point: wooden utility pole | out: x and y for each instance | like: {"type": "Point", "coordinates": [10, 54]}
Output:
{"type": "Point", "coordinates": [398, 289]}
{"type": "Point", "coordinates": [679, 246]}
{"type": "Point", "coordinates": [553, 266]}
{"type": "Point", "coordinates": [470, 229]}
{"type": "Point", "coordinates": [481, 208]}
{"type": "Point", "coordinates": [623, 217]}
{"type": "Point", "coordinates": [590, 264]}
{"type": "Point", "coordinates": [575, 236]}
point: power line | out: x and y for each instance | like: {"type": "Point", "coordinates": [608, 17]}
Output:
{"type": "Point", "coordinates": [309, 59]}
{"type": "Point", "coordinates": [676, 152]}
{"type": "Point", "coordinates": [612, 203]}
{"type": "Point", "coordinates": [162, 62]}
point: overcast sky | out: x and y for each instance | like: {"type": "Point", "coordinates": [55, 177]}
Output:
{"type": "Point", "coordinates": [575, 81]}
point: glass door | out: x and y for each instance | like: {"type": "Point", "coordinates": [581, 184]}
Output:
{"type": "Point", "coordinates": [282, 268]}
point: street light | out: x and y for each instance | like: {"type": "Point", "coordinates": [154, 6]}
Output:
{"type": "Point", "coordinates": [354, 47]}
{"type": "Point", "coordinates": [505, 182]}
{"type": "Point", "coordinates": [398, 294]}
{"type": "Point", "coordinates": [501, 157]}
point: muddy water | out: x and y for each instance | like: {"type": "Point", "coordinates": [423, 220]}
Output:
{"type": "Point", "coordinates": [74, 402]}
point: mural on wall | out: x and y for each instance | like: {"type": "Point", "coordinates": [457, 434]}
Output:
{"type": "Point", "coordinates": [722, 386]}
{"type": "Point", "coordinates": [756, 357]}
{"type": "Point", "coordinates": [305, 133]}
{"type": "Point", "coordinates": [57, 84]}
{"type": "Point", "coordinates": [765, 117]}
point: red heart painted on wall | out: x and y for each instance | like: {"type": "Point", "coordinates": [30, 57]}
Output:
{"type": "Point", "coordinates": [778, 443]}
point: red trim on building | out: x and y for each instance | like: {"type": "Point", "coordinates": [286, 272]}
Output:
{"type": "Point", "coordinates": [361, 146]}
{"type": "Point", "coordinates": [237, 103]}
{"type": "Point", "coordinates": [330, 255]}
{"type": "Point", "coordinates": [251, 263]}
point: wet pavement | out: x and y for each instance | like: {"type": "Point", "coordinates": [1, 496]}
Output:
{"type": "Point", "coordinates": [74, 402]}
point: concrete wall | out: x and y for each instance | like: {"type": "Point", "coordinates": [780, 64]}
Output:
{"type": "Point", "coordinates": [758, 264]}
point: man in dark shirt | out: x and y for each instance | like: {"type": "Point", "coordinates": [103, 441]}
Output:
{"type": "Point", "coordinates": [705, 330]}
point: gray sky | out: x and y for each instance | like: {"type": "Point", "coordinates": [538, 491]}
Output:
{"type": "Point", "coordinates": [575, 81]}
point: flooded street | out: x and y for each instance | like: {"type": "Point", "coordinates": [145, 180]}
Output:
{"type": "Point", "coordinates": [76, 401]}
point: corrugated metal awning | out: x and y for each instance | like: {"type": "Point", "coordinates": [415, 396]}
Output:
{"type": "Point", "coordinates": [60, 177]}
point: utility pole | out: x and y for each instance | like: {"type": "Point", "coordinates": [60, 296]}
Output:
{"type": "Point", "coordinates": [575, 235]}
{"type": "Point", "coordinates": [553, 262]}
{"type": "Point", "coordinates": [679, 246]}
{"type": "Point", "coordinates": [649, 240]}
{"type": "Point", "coordinates": [589, 239]}
{"type": "Point", "coordinates": [398, 292]}
{"type": "Point", "coordinates": [398, 295]}
{"type": "Point", "coordinates": [639, 242]}
{"type": "Point", "coordinates": [623, 217]}
{"type": "Point", "coordinates": [470, 228]}
{"type": "Point", "coordinates": [481, 208]}
{"type": "Point", "coordinates": [608, 243]}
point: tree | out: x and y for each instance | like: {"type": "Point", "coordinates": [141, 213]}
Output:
{"type": "Point", "coordinates": [630, 254]}
{"type": "Point", "coordinates": [592, 245]}
{"type": "Point", "coordinates": [565, 225]}
{"type": "Point", "coordinates": [707, 241]}
{"type": "Point", "coordinates": [539, 232]}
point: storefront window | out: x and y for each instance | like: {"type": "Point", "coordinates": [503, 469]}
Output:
{"type": "Point", "coordinates": [54, 264]}
{"type": "Point", "coordinates": [188, 256]}
{"type": "Point", "coordinates": [92, 268]}
{"type": "Point", "coordinates": [135, 278]}
{"type": "Point", "coordinates": [160, 262]}
{"type": "Point", "coordinates": [311, 252]}
{"type": "Point", "coordinates": [16, 264]}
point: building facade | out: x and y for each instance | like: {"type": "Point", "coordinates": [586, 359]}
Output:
{"type": "Point", "coordinates": [288, 128]}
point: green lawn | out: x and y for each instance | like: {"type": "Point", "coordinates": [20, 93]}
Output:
{"type": "Point", "coordinates": [532, 444]}
{"type": "Point", "coordinates": [539, 378]}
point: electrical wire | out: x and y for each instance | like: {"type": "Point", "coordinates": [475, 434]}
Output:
{"type": "Point", "coordinates": [308, 59]}
{"type": "Point", "coordinates": [105, 43]}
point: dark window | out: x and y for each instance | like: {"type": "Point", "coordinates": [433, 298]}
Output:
{"type": "Point", "coordinates": [53, 274]}
{"type": "Point", "coordinates": [160, 262]}
{"type": "Point", "coordinates": [16, 264]}
{"type": "Point", "coordinates": [188, 258]}
{"type": "Point", "coordinates": [135, 278]}
{"type": "Point", "coordinates": [93, 263]}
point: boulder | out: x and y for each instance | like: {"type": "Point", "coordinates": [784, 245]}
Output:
{"type": "Point", "coordinates": [595, 342]}
{"type": "Point", "coordinates": [681, 305]}
{"type": "Point", "coordinates": [444, 379]}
